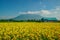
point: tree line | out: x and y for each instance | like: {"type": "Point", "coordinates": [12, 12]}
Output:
{"type": "Point", "coordinates": [42, 20]}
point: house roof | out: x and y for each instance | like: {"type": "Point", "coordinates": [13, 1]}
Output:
{"type": "Point", "coordinates": [50, 18]}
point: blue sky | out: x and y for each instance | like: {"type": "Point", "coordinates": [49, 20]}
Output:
{"type": "Point", "coordinates": [13, 8]}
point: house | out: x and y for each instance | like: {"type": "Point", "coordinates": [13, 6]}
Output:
{"type": "Point", "coordinates": [49, 19]}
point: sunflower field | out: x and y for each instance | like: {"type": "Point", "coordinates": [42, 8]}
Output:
{"type": "Point", "coordinates": [29, 31]}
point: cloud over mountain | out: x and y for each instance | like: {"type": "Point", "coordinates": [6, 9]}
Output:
{"type": "Point", "coordinates": [46, 13]}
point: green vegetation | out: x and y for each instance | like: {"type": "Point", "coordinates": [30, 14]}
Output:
{"type": "Point", "coordinates": [42, 20]}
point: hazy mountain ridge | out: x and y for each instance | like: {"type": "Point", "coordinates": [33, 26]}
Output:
{"type": "Point", "coordinates": [31, 17]}
{"type": "Point", "coordinates": [28, 17]}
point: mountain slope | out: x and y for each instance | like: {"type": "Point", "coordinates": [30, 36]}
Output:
{"type": "Point", "coordinates": [28, 17]}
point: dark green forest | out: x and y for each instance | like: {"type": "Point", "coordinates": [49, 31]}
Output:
{"type": "Point", "coordinates": [42, 20]}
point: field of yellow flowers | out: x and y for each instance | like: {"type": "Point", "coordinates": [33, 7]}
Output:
{"type": "Point", "coordinates": [29, 31]}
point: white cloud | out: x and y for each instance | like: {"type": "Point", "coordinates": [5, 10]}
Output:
{"type": "Point", "coordinates": [46, 13]}
{"type": "Point", "coordinates": [33, 12]}
{"type": "Point", "coordinates": [56, 12]}
{"type": "Point", "coordinates": [30, 12]}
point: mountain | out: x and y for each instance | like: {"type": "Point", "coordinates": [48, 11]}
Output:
{"type": "Point", "coordinates": [28, 17]}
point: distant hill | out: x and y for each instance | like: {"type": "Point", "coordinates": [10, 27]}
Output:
{"type": "Point", "coordinates": [31, 17]}
{"type": "Point", "coordinates": [28, 17]}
